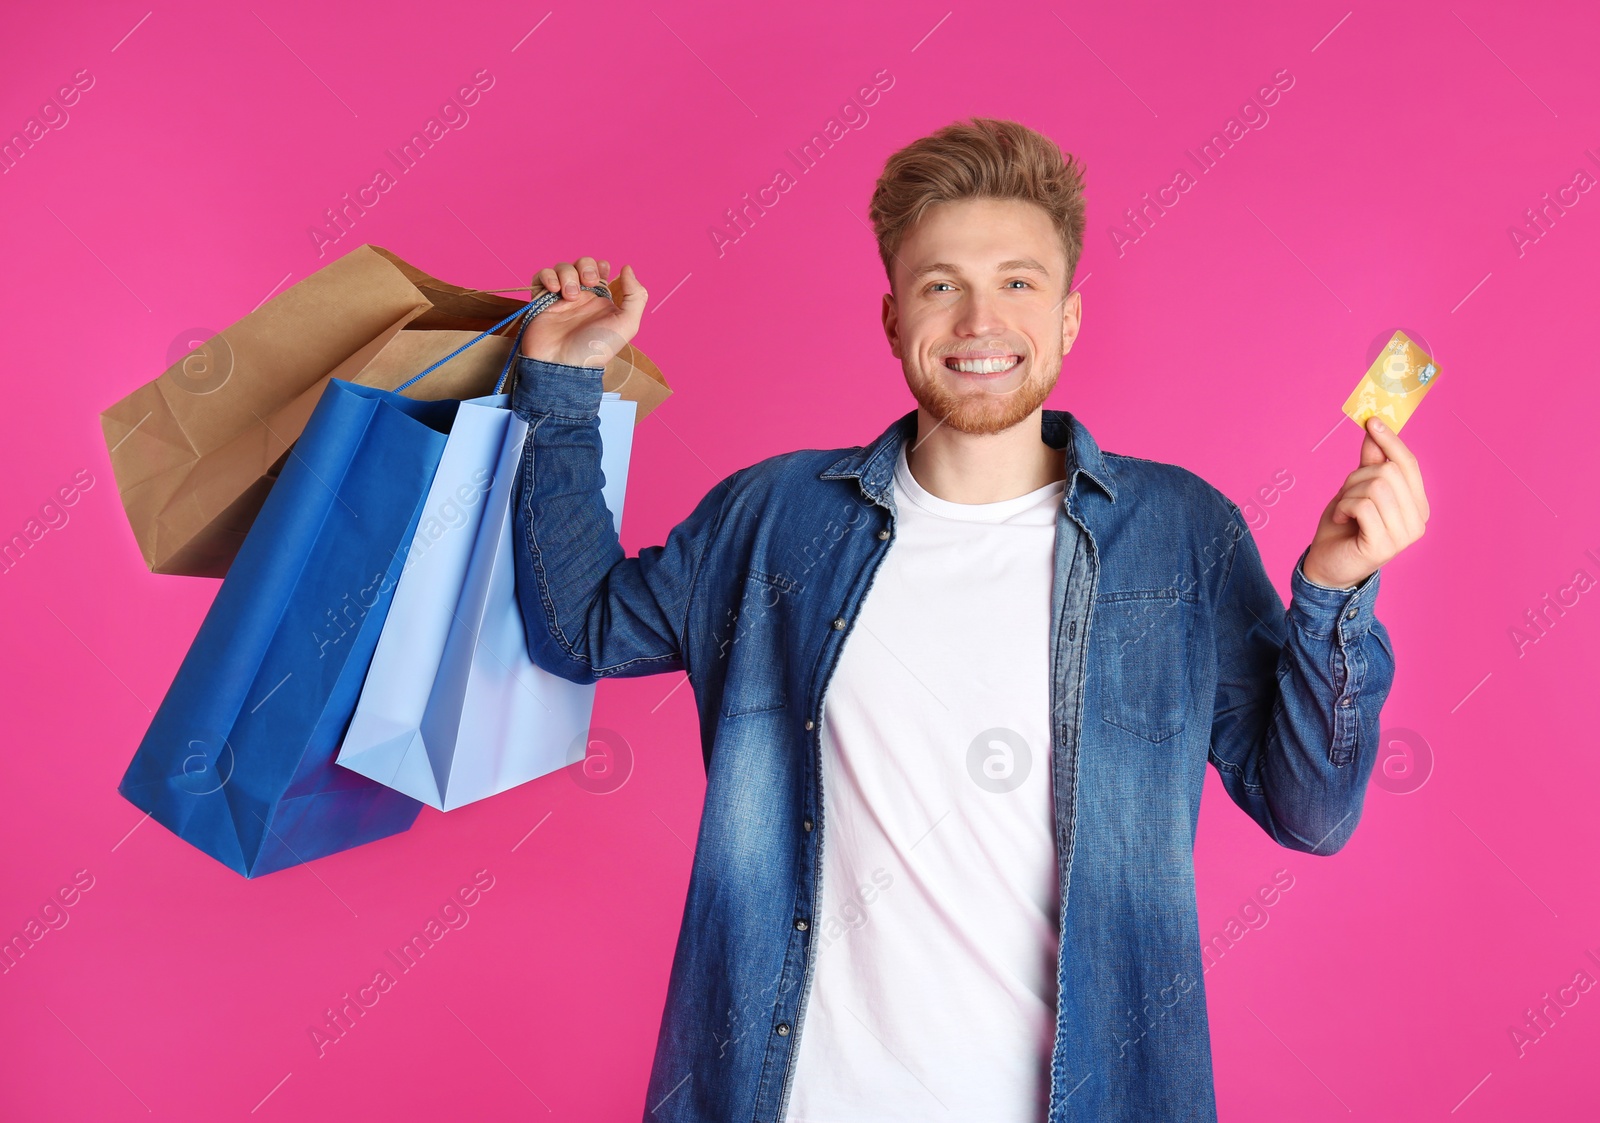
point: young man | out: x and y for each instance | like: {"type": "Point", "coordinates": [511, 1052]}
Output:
{"type": "Point", "coordinates": [958, 689]}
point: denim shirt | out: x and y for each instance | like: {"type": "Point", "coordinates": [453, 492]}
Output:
{"type": "Point", "coordinates": [1169, 650]}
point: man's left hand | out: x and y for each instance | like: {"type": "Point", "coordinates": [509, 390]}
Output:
{"type": "Point", "coordinates": [1380, 510]}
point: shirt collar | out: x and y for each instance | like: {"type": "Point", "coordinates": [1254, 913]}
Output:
{"type": "Point", "coordinates": [873, 465]}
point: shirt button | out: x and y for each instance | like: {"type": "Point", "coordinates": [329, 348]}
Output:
{"type": "Point", "coordinates": [783, 1029]}
{"type": "Point", "coordinates": [1347, 701]}
{"type": "Point", "coordinates": [884, 535]}
{"type": "Point", "coordinates": [1351, 615]}
{"type": "Point", "coordinates": [800, 926]}
{"type": "Point", "coordinates": [808, 824]}
{"type": "Point", "coordinates": [810, 724]}
{"type": "Point", "coordinates": [838, 625]}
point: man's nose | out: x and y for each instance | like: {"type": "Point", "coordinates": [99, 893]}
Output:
{"type": "Point", "coordinates": [978, 314]}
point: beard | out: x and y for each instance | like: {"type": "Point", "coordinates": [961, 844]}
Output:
{"type": "Point", "coordinates": [978, 409]}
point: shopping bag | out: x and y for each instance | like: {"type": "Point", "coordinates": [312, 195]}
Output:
{"type": "Point", "coordinates": [196, 451]}
{"type": "Point", "coordinates": [453, 709]}
{"type": "Point", "coordinates": [239, 758]}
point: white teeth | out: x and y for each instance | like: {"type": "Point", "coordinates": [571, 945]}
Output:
{"type": "Point", "coordinates": [982, 366]}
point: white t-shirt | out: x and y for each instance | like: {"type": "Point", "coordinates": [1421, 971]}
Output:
{"type": "Point", "coordinates": [934, 990]}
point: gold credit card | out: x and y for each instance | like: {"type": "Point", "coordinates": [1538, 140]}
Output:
{"type": "Point", "coordinates": [1394, 385]}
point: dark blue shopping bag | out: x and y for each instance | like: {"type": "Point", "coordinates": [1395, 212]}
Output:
{"type": "Point", "coordinates": [239, 759]}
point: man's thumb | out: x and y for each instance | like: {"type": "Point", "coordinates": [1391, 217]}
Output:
{"type": "Point", "coordinates": [1370, 452]}
{"type": "Point", "coordinates": [630, 295]}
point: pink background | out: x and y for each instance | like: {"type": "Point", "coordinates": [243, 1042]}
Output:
{"type": "Point", "coordinates": [1379, 195]}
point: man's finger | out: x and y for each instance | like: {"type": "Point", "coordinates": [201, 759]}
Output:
{"type": "Point", "coordinates": [1398, 520]}
{"type": "Point", "coordinates": [1395, 449]}
{"type": "Point", "coordinates": [1392, 479]}
{"type": "Point", "coordinates": [568, 276]}
{"type": "Point", "coordinates": [1410, 503]}
{"type": "Point", "coordinates": [1371, 452]}
{"type": "Point", "coordinates": [1363, 511]}
{"type": "Point", "coordinates": [631, 297]}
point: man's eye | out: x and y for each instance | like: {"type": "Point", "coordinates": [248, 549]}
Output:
{"type": "Point", "coordinates": [936, 284]}
{"type": "Point", "coordinates": [1019, 281]}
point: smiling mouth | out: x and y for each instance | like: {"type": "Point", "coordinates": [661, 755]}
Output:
{"type": "Point", "coordinates": [988, 366]}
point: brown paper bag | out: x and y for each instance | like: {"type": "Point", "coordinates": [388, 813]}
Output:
{"type": "Point", "coordinates": [196, 451]}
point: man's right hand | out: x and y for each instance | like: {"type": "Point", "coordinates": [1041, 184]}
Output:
{"type": "Point", "coordinates": [582, 329]}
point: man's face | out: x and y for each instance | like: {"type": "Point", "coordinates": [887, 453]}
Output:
{"type": "Point", "coordinates": [979, 284]}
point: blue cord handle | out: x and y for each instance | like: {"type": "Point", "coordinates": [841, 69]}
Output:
{"type": "Point", "coordinates": [529, 310]}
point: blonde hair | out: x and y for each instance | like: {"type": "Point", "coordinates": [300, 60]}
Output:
{"type": "Point", "coordinates": [980, 157]}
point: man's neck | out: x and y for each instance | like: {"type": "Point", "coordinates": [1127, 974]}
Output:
{"type": "Point", "coordinates": [967, 468]}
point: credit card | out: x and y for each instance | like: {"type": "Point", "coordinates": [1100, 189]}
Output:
{"type": "Point", "coordinates": [1394, 385]}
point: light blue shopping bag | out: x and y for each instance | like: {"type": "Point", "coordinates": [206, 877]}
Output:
{"type": "Point", "coordinates": [453, 709]}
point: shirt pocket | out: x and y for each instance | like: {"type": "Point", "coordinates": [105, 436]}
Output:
{"type": "Point", "coordinates": [753, 644]}
{"type": "Point", "coordinates": [1142, 655]}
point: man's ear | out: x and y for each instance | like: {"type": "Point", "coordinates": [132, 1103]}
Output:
{"type": "Point", "coordinates": [1071, 320]}
{"type": "Point", "coordinates": [891, 323]}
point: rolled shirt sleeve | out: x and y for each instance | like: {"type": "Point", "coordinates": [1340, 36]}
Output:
{"type": "Point", "coordinates": [1299, 690]}
{"type": "Point", "coordinates": [591, 611]}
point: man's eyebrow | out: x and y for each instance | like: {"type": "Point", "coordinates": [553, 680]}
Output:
{"type": "Point", "coordinates": [1021, 263]}
{"type": "Point", "coordinates": [1027, 263]}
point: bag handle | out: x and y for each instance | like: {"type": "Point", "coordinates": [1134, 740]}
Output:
{"type": "Point", "coordinates": [527, 312]}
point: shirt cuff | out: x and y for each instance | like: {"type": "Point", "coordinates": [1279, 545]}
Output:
{"type": "Point", "coordinates": [1320, 609]}
{"type": "Point", "coordinates": [557, 389]}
